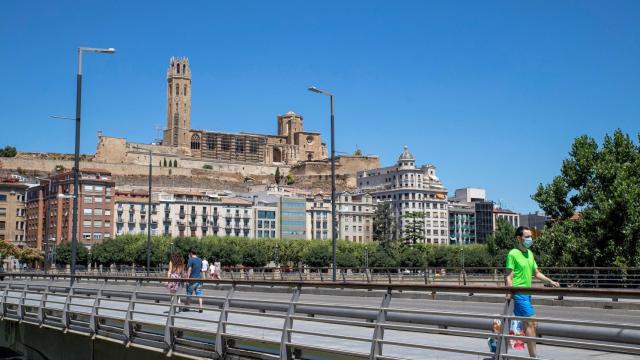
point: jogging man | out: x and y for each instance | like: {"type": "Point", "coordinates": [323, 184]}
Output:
{"type": "Point", "coordinates": [194, 269]}
{"type": "Point", "coordinates": [521, 267]}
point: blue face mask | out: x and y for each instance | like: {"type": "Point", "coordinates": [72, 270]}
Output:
{"type": "Point", "coordinates": [527, 242]}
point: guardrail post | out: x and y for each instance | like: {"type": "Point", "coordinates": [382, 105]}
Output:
{"type": "Point", "coordinates": [4, 297]}
{"type": "Point", "coordinates": [378, 331]}
{"type": "Point", "coordinates": [596, 272]}
{"type": "Point", "coordinates": [502, 342]}
{"type": "Point", "coordinates": [21, 301]}
{"type": "Point", "coordinates": [93, 319]}
{"type": "Point", "coordinates": [126, 329]}
{"type": "Point", "coordinates": [43, 301]}
{"type": "Point", "coordinates": [222, 327]}
{"type": "Point", "coordinates": [64, 318]}
{"type": "Point", "coordinates": [168, 329]}
{"type": "Point", "coordinates": [288, 325]}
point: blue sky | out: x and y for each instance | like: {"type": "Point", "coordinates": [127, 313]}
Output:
{"type": "Point", "coordinates": [492, 93]}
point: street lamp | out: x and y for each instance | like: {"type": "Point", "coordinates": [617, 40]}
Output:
{"type": "Point", "coordinates": [334, 223]}
{"type": "Point", "coordinates": [149, 214]}
{"type": "Point", "coordinates": [76, 160]}
{"type": "Point", "coordinates": [46, 226]}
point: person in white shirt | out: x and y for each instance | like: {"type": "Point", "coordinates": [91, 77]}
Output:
{"type": "Point", "coordinates": [205, 268]}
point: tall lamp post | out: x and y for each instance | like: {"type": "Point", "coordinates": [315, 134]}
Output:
{"type": "Point", "coordinates": [76, 160]}
{"type": "Point", "coordinates": [149, 214]}
{"type": "Point", "coordinates": [46, 226]}
{"type": "Point", "coordinates": [334, 223]}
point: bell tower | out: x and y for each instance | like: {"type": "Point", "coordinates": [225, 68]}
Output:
{"type": "Point", "coordinates": [176, 133]}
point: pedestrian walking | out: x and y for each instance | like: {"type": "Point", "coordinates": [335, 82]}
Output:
{"type": "Point", "coordinates": [176, 271]}
{"type": "Point", "coordinates": [521, 267]}
{"type": "Point", "coordinates": [194, 271]}
{"type": "Point", "coordinates": [205, 268]}
{"type": "Point", "coordinates": [217, 270]}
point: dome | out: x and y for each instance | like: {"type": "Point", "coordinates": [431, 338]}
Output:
{"type": "Point", "coordinates": [290, 113]}
{"type": "Point", "coordinates": [406, 155]}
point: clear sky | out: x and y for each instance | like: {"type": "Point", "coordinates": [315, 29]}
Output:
{"type": "Point", "coordinates": [491, 93]}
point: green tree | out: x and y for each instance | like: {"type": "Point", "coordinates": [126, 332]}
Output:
{"type": "Point", "coordinates": [414, 227]}
{"type": "Point", "coordinates": [290, 179]}
{"type": "Point", "coordinates": [603, 184]}
{"type": "Point", "coordinates": [384, 225]}
{"type": "Point", "coordinates": [8, 151]}
{"type": "Point", "coordinates": [317, 254]}
{"type": "Point", "coordinates": [358, 152]}
{"type": "Point", "coordinates": [501, 241]}
{"type": "Point", "coordinates": [255, 253]}
{"type": "Point", "coordinates": [277, 176]}
{"type": "Point", "coordinates": [63, 254]}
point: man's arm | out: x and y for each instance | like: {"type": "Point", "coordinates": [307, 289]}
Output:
{"type": "Point", "coordinates": [508, 279]}
{"type": "Point", "coordinates": [540, 276]}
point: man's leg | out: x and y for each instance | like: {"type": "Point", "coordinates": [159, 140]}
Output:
{"type": "Point", "coordinates": [199, 294]}
{"type": "Point", "coordinates": [530, 331]}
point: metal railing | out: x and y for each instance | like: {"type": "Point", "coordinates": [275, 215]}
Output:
{"type": "Point", "coordinates": [138, 311]}
{"type": "Point", "coordinates": [574, 277]}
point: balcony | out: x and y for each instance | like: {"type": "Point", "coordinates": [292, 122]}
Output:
{"type": "Point", "coordinates": [143, 210]}
{"type": "Point", "coordinates": [154, 221]}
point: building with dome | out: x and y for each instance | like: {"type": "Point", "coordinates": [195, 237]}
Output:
{"type": "Point", "coordinates": [409, 188]}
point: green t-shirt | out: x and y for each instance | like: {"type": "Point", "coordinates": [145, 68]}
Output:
{"type": "Point", "coordinates": [523, 267]}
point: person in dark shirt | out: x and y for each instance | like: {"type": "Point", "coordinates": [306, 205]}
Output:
{"type": "Point", "coordinates": [194, 269]}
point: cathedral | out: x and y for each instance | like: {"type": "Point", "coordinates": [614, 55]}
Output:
{"type": "Point", "coordinates": [289, 146]}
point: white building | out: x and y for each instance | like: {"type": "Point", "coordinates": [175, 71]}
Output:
{"type": "Point", "coordinates": [199, 214]}
{"type": "Point", "coordinates": [411, 189]}
{"type": "Point", "coordinates": [355, 216]}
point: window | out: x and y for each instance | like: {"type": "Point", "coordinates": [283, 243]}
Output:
{"type": "Point", "coordinates": [98, 199]}
{"type": "Point", "coordinates": [2, 225]}
{"type": "Point", "coordinates": [98, 188]}
{"type": "Point", "coordinates": [211, 142]}
{"type": "Point", "coordinates": [185, 91]}
{"type": "Point", "coordinates": [87, 211]}
{"type": "Point", "coordinates": [107, 236]}
{"type": "Point", "coordinates": [88, 188]}
{"type": "Point", "coordinates": [97, 223]}
{"type": "Point", "coordinates": [195, 142]}
{"type": "Point", "coordinates": [97, 236]}
{"type": "Point", "coordinates": [239, 146]}
{"type": "Point", "coordinates": [97, 211]}
{"type": "Point", "coordinates": [86, 223]}
{"type": "Point", "coordinates": [107, 223]}
{"type": "Point", "coordinates": [88, 200]}
{"type": "Point", "coordinates": [107, 212]}
{"type": "Point", "coordinates": [3, 211]}
{"type": "Point", "coordinates": [86, 236]}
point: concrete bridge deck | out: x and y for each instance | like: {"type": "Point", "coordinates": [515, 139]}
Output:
{"type": "Point", "coordinates": [254, 319]}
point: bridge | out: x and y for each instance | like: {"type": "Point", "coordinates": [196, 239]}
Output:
{"type": "Point", "coordinates": [51, 317]}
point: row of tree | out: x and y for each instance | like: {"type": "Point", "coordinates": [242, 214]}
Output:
{"type": "Point", "coordinates": [232, 251]}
